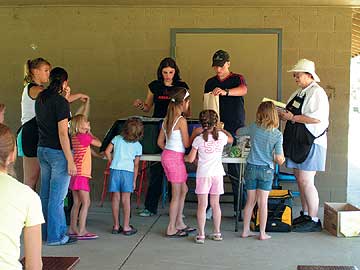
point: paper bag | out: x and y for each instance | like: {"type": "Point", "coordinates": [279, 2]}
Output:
{"type": "Point", "coordinates": [211, 102]}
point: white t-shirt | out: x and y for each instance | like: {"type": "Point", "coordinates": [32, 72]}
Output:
{"type": "Point", "coordinates": [210, 154]}
{"type": "Point", "coordinates": [316, 105]}
{"type": "Point", "coordinates": [20, 207]}
{"type": "Point", "coordinates": [27, 106]}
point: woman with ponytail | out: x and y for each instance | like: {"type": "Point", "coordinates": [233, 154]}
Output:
{"type": "Point", "coordinates": [36, 74]}
{"type": "Point", "coordinates": [210, 171]}
{"type": "Point", "coordinates": [55, 156]}
{"type": "Point", "coordinates": [20, 211]}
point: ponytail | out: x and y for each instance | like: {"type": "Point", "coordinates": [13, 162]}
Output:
{"type": "Point", "coordinates": [30, 65]}
{"type": "Point", "coordinates": [208, 120]}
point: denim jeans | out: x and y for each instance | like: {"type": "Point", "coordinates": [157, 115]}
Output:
{"type": "Point", "coordinates": [54, 187]}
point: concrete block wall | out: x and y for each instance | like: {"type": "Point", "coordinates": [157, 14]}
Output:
{"type": "Point", "coordinates": [112, 52]}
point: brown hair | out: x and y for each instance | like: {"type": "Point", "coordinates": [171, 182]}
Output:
{"type": "Point", "coordinates": [267, 116]}
{"type": "Point", "coordinates": [177, 97]}
{"type": "Point", "coordinates": [7, 146]}
{"type": "Point", "coordinates": [30, 65]}
{"type": "Point", "coordinates": [76, 122]}
{"type": "Point", "coordinates": [133, 130]}
{"type": "Point", "coordinates": [208, 119]}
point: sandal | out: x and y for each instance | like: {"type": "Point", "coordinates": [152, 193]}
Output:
{"type": "Point", "coordinates": [199, 239]}
{"type": "Point", "coordinates": [216, 236]}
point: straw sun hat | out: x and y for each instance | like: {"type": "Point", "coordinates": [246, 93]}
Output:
{"type": "Point", "coordinates": [304, 65]}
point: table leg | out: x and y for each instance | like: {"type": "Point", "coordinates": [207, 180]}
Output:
{"type": "Point", "coordinates": [239, 198]}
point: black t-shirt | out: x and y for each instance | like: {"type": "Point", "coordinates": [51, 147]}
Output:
{"type": "Point", "coordinates": [48, 114]}
{"type": "Point", "coordinates": [161, 96]}
{"type": "Point", "coordinates": [232, 111]}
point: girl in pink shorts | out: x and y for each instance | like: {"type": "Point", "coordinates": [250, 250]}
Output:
{"type": "Point", "coordinates": [173, 139]}
{"type": "Point", "coordinates": [79, 184]}
{"type": "Point", "coordinates": [208, 146]}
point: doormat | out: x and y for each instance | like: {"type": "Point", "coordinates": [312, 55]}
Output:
{"type": "Point", "coordinates": [325, 267]}
{"type": "Point", "coordinates": [58, 263]}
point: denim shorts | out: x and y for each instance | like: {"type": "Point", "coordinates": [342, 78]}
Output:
{"type": "Point", "coordinates": [258, 177]}
{"type": "Point", "coordinates": [121, 181]}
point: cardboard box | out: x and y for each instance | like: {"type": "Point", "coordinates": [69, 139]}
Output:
{"type": "Point", "coordinates": [342, 219]}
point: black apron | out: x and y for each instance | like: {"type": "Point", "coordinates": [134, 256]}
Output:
{"type": "Point", "coordinates": [297, 138]}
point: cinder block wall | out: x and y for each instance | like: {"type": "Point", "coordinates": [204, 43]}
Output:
{"type": "Point", "coordinates": [112, 52]}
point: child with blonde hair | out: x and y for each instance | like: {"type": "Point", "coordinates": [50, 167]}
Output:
{"type": "Point", "coordinates": [79, 184]}
{"type": "Point", "coordinates": [173, 139]}
{"type": "Point", "coordinates": [266, 147]}
{"type": "Point", "coordinates": [208, 146]}
{"type": "Point", "coordinates": [124, 170]}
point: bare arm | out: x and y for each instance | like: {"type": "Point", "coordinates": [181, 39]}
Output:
{"type": "Point", "coordinates": [161, 139]}
{"type": "Point", "coordinates": [84, 107]}
{"type": "Point", "coordinates": [136, 169]}
{"type": "Point", "coordinates": [65, 145]}
{"type": "Point", "coordinates": [108, 151]}
{"type": "Point", "coordinates": [95, 141]}
{"type": "Point", "coordinates": [147, 105]}
{"type": "Point", "coordinates": [279, 159]}
{"type": "Point", "coordinates": [35, 91]}
{"type": "Point", "coordinates": [240, 90]}
{"type": "Point", "coordinates": [32, 247]}
{"type": "Point", "coordinates": [182, 124]}
{"type": "Point", "coordinates": [73, 97]}
{"type": "Point", "coordinates": [196, 132]}
{"type": "Point", "coordinates": [288, 116]}
{"type": "Point", "coordinates": [191, 156]}
{"type": "Point", "coordinates": [230, 137]}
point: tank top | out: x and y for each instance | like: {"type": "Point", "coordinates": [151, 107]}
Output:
{"type": "Point", "coordinates": [174, 142]}
{"type": "Point", "coordinates": [27, 104]}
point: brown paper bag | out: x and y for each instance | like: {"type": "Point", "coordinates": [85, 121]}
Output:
{"type": "Point", "coordinates": [211, 102]}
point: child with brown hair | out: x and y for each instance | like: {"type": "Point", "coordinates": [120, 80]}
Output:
{"type": "Point", "coordinates": [124, 170]}
{"type": "Point", "coordinates": [79, 184]}
{"type": "Point", "coordinates": [266, 147]}
{"type": "Point", "coordinates": [209, 146]}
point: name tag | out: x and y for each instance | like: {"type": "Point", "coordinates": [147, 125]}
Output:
{"type": "Point", "coordinates": [296, 104]}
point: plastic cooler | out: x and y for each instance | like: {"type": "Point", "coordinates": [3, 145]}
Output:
{"type": "Point", "coordinates": [151, 133]}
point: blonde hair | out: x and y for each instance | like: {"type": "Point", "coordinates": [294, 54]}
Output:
{"type": "Point", "coordinates": [30, 65]}
{"type": "Point", "coordinates": [178, 95]}
{"type": "Point", "coordinates": [7, 146]}
{"type": "Point", "coordinates": [133, 130]}
{"type": "Point", "coordinates": [267, 116]}
{"type": "Point", "coordinates": [208, 119]}
{"type": "Point", "coordinates": [76, 122]}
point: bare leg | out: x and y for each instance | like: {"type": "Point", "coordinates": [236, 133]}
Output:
{"type": "Point", "coordinates": [201, 213]}
{"type": "Point", "coordinates": [74, 213]}
{"type": "Point", "coordinates": [85, 204]}
{"type": "Point", "coordinates": [125, 200]}
{"type": "Point", "coordinates": [179, 218]}
{"type": "Point", "coordinates": [262, 200]}
{"type": "Point", "coordinates": [174, 208]}
{"type": "Point", "coordinates": [301, 190]}
{"type": "Point", "coordinates": [215, 205]}
{"type": "Point", "coordinates": [115, 201]}
{"type": "Point", "coordinates": [250, 204]}
{"type": "Point", "coordinates": [31, 168]}
{"type": "Point", "coordinates": [306, 181]}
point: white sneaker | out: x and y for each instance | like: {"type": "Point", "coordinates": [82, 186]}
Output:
{"type": "Point", "coordinates": [209, 214]}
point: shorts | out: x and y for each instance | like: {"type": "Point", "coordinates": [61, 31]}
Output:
{"type": "Point", "coordinates": [213, 185]}
{"type": "Point", "coordinates": [315, 161]}
{"type": "Point", "coordinates": [121, 181]}
{"type": "Point", "coordinates": [258, 177]}
{"type": "Point", "coordinates": [28, 138]}
{"type": "Point", "coordinates": [174, 166]}
{"type": "Point", "coordinates": [79, 183]}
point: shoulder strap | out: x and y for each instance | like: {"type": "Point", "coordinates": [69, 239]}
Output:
{"type": "Point", "coordinates": [177, 120]}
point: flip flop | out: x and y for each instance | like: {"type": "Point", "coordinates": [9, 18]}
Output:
{"type": "Point", "coordinates": [87, 236]}
{"type": "Point", "coordinates": [188, 229]}
{"type": "Point", "coordinates": [73, 234]}
{"type": "Point", "coordinates": [130, 232]}
{"type": "Point", "coordinates": [178, 234]}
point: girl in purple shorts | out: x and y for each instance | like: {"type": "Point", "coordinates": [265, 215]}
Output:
{"type": "Point", "coordinates": [79, 184]}
{"type": "Point", "coordinates": [208, 145]}
{"type": "Point", "coordinates": [173, 139]}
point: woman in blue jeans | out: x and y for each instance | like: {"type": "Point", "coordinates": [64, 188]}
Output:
{"type": "Point", "coordinates": [55, 156]}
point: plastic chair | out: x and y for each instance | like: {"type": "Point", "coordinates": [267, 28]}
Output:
{"type": "Point", "coordinates": [284, 177]}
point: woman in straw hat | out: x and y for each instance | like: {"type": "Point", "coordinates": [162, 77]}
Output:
{"type": "Point", "coordinates": [305, 140]}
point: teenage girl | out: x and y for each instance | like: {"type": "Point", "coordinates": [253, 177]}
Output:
{"type": "Point", "coordinates": [79, 184]}
{"type": "Point", "coordinates": [266, 147]}
{"type": "Point", "coordinates": [210, 171]}
{"type": "Point", "coordinates": [173, 139]}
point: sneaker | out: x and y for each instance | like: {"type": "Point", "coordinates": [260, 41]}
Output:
{"type": "Point", "coordinates": [308, 226]}
{"type": "Point", "coordinates": [146, 213]}
{"type": "Point", "coordinates": [299, 219]}
{"type": "Point", "coordinates": [209, 214]}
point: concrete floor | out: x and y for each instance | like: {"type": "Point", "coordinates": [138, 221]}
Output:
{"type": "Point", "coordinates": [149, 249]}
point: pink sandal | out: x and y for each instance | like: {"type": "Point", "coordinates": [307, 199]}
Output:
{"type": "Point", "coordinates": [199, 239]}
